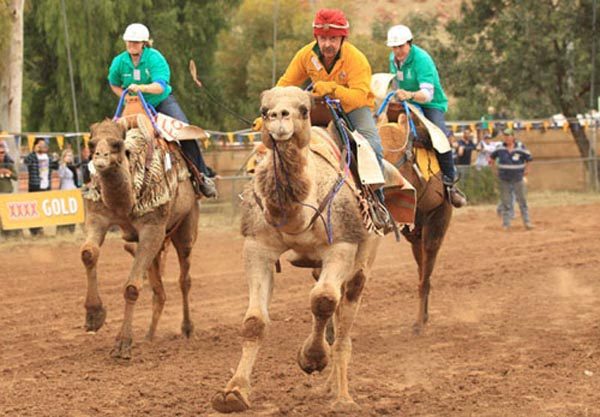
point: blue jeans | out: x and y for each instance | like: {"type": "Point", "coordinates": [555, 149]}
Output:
{"type": "Point", "coordinates": [436, 116]}
{"type": "Point", "coordinates": [363, 122]}
{"type": "Point", "coordinates": [506, 196]}
{"type": "Point", "coordinates": [190, 148]}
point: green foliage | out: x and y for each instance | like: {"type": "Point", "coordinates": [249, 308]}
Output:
{"type": "Point", "coordinates": [479, 185]}
{"type": "Point", "coordinates": [529, 56]}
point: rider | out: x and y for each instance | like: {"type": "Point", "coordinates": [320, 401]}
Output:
{"type": "Point", "coordinates": [144, 69]}
{"type": "Point", "coordinates": [339, 70]}
{"type": "Point", "coordinates": [418, 81]}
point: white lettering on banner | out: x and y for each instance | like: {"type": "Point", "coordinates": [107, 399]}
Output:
{"type": "Point", "coordinates": [59, 206]}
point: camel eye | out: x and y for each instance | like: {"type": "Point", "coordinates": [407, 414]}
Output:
{"type": "Point", "coordinates": [285, 113]}
{"type": "Point", "coordinates": [303, 111]}
{"type": "Point", "coordinates": [264, 111]}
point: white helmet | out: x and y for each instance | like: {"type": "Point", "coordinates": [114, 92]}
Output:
{"type": "Point", "coordinates": [136, 32]}
{"type": "Point", "coordinates": [398, 35]}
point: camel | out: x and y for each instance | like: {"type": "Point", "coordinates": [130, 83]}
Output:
{"type": "Point", "coordinates": [279, 214]}
{"type": "Point", "coordinates": [433, 209]}
{"type": "Point", "coordinates": [126, 191]}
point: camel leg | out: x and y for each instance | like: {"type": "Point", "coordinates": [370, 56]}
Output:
{"type": "Point", "coordinates": [338, 262]}
{"type": "Point", "coordinates": [259, 263]}
{"type": "Point", "coordinates": [183, 240]}
{"type": "Point", "coordinates": [159, 296]}
{"type": "Point", "coordinates": [344, 317]}
{"type": "Point", "coordinates": [329, 329]}
{"type": "Point", "coordinates": [96, 229]}
{"type": "Point", "coordinates": [425, 251]}
{"type": "Point", "coordinates": [150, 242]}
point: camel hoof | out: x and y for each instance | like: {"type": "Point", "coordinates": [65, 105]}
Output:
{"type": "Point", "coordinates": [187, 329]}
{"type": "Point", "coordinates": [314, 360]}
{"type": "Point", "coordinates": [94, 318]}
{"type": "Point", "coordinates": [230, 401]}
{"type": "Point", "coordinates": [345, 406]}
{"type": "Point", "coordinates": [122, 349]}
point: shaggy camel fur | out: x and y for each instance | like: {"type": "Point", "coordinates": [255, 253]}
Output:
{"type": "Point", "coordinates": [176, 218]}
{"type": "Point", "coordinates": [289, 185]}
{"type": "Point", "coordinates": [433, 212]}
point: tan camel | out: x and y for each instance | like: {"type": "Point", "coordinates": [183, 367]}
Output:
{"type": "Point", "coordinates": [433, 210]}
{"type": "Point", "coordinates": [278, 215]}
{"type": "Point", "coordinates": [125, 191]}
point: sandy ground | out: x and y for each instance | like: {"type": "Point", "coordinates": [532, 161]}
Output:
{"type": "Point", "coordinates": [514, 329]}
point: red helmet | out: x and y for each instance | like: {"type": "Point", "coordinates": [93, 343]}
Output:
{"type": "Point", "coordinates": [331, 22]}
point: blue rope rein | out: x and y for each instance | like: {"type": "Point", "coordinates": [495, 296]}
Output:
{"type": "Point", "coordinates": [384, 105]}
{"type": "Point", "coordinates": [150, 111]}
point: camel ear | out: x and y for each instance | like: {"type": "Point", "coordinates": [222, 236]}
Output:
{"type": "Point", "coordinates": [93, 128]}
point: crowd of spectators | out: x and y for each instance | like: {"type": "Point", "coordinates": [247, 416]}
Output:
{"type": "Point", "coordinates": [43, 169]}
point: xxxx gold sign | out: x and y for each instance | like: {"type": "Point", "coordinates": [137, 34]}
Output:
{"type": "Point", "coordinates": [47, 208]}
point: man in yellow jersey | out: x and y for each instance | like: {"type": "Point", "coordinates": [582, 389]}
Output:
{"type": "Point", "coordinates": [339, 70]}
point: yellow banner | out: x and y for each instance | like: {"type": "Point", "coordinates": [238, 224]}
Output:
{"type": "Point", "coordinates": [61, 142]}
{"type": "Point", "coordinates": [45, 208]}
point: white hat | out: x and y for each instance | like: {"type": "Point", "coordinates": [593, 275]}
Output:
{"type": "Point", "coordinates": [136, 32]}
{"type": "Point", "coordinates": [398, 35]}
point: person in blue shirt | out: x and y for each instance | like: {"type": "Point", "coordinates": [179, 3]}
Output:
{"type": "Point", "coordinates": [141, 68]}
{"type": "Point", "coordinates": [417, 81]}
{"type": "Point", "coordinates": [512, 161]}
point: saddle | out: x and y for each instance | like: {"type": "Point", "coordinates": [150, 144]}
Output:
{"type": "Point", "coordinates": [401, 146]}
{"type": "Point", "coordinates": [135, 116]}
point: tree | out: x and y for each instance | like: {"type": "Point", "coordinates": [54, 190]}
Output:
{"type": "Point", "coordinates": [533, 56]}
{"type": "Point", "coordinates": [11, 72]}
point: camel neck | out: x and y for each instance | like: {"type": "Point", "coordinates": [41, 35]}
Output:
{"type": "Point", "coordinates": [117, 191]}
{"type": "Point", "coordinates": [285, 184]}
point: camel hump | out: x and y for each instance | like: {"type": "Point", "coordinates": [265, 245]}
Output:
{"type": "Point", "coordinates": [323, 144]}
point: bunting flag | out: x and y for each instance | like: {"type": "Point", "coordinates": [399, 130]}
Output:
{"type": "Point", "coordinates": [472, 127]}
{"type": "Point", "coordinates": [527, 126]}
{"type": "Point", "coordinates": [30, 140]}
{"type": "Point", "coordinates": [510, 124]}
{"type": "Point", "coordinates": [86, 139]}
{"type": "Point", "coordinates": [565, 126]}
{"type": "Point", "coordinates": [60, 139]}
{"type": "Point", "coordinates": [230, 137]}
{"type": "Point", "coordinates": [491, 127]}
{"type": "Point", "coordinates": [454, 127]}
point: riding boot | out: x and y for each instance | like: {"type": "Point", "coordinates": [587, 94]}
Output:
{"type": "Point", "coordinates": [456, 197]}
{"type": "Point", "coordinates": [203, 185]}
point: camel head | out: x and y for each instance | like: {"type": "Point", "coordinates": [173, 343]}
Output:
{"type": "Point", "coordinates": [107, 146]}
{"type": "Point", "coordinates": [285, 111]}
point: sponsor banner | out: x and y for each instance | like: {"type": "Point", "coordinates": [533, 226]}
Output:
{"type": "Point", "coordinates": [46, 208]}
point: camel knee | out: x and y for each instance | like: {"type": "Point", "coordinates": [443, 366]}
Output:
{"type": "Point", "coordinates": [253, 328]}
{"type": "Point", "coordinates": [89, 254]}
{"type": "Point", "coordinates": [131, 293]}
{"type": "Point", "coordinates": [355, 286]}
{"type": "Point", "coordinates": [323, 302]}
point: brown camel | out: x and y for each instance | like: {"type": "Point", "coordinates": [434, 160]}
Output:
{"type": "Point", "coordinates": [433, 210]}
{"type": "Point", "coordinates": [278, 215]}
{"type": "Point", "coordinates": [131, 189]}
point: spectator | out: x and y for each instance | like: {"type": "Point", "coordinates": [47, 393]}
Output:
{"type": "Point", "coordinates": [67, 172]}
{"type": "Point", "coordinates": [466, 146]}
{"type": "Point", "coordinates": [485, 119]}
{"type": "Point", "coordinates": [85, 169]}
{"type": "Point", "coordinates": [485, 149]}
{"type": "Point", "coordinates": [8, 174]}
{"type": "Point", "coordinates": [39, 167]}
{"type": "Point", "coordinates": [512, 159]}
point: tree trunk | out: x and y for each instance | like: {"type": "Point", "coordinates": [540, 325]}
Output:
{"type": "Point", "coordinates": [11, 81]}
{"type": "Point", "coordinates": [583, 144]}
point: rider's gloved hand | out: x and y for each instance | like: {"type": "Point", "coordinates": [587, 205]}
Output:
{"type": "Point", "coordinates": [257, 124]}
{"type": "Point", "coordinates": [324, 88]}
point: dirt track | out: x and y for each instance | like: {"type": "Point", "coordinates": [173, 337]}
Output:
{"type": "Point", "coordinates": [514, 329]}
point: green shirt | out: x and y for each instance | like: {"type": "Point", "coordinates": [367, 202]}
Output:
{"type": "Point", "coordinates": [152, 68]}
{"type": "Point", "coordinates": [417, 69]}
